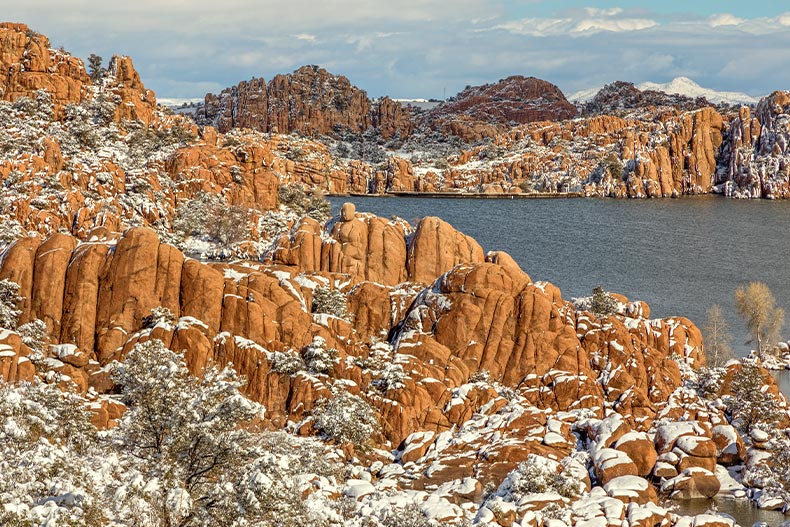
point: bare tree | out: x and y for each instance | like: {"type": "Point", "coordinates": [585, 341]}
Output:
{"type": "Point", "coordinates": [717, 338]}
{"type": "Point", "coordinates": [757, 307]}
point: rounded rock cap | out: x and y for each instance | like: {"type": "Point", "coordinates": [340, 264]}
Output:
{"type": "Point", "coordinates": [348, 211]}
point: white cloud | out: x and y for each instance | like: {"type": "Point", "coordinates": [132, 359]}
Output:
{"type": "Point", "coordinates": [613, 25]}
{"type": "Point", "coordinates": [595, 12]}
{"type": "Point", "coordinates": [725, 19]}
{"type": "Point", "coordinates": [307, 37]}
{"type": "Point", "coordinates": [546, 27]}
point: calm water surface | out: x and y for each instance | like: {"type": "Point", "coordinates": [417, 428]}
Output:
{"type": "Point", "coordinates": [742, 511]}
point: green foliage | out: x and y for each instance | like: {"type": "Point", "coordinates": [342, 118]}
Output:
{"type": "Point", "coordinates": [9, 302]}
{"type": "Point", "coordinates": [405, 516]}
{"type": "Point", "coordinates": [537, 475]}
{"type": "Point", "coordinates": [614, 167]}
{"type": "Point", "coordinates": [751, 405]}
{"type": "Point", "coordinates": [209, 216]}
{"type": "Point", "coordinates": [95, 69]}
{"type": "Point", "coordinates": [287, 363]}
{"type": "Point", "coordinates": [318, 358]}
{"type": "Point", "coordinates": [707, 382]}
{"type": "Point", "coordinates": [602, 302]}
{"type": "Point", "coordinates": [159, 315]}
{"type": "Point", "coordinates": [329, 301]}
{"type": "Point", "coordinates": [345, 418]}
{"type": "Point", "coordinates": [34, 335]}
{"type": "Point", "coordinates": [314, 206]}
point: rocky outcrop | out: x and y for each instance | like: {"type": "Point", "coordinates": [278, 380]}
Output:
{"type": "Point", "coordinates": [135, 102]}
{"type": "Point", "coordinates": [755, 161]}
{"type": "Point", "coordinates": [479, 111]}
{"type": "Point", "coordinates": [310, 101]}
{"type": "Point", "coordinates": [28, 64]}
{"type": "Point", "coordinates": [370, 248]}
{"type": "Point", "coordinates": [623, 97]}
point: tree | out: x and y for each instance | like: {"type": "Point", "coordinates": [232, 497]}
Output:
{"type": "Point", "coordinates": [345, 417]}
{"type": "Point", "coordinates": [602, 302]}
{"type": "Point", "coordinates": [95, 69]}
{"type": "Point", "coordinates": [184, 435]}
{"type": "Point", "coordinates": [9, 302]}
{"type": "Point", "coordinates": [717, 338]}
{"type": "Point", "coordinates": [751, 405]}
{"type": "Point", "coordinates": [757, 307]}
{"type": "Point", "coordinates": [46, 474]}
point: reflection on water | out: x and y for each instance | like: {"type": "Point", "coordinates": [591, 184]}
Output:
{"type": "Point", "coordinates": [741, 511]}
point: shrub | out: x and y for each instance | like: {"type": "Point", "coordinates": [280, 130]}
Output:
{"type": "Point", "coordinates": [344, 418]}
{"type": "Point", "coordinates": [480, 376]}
{"type": "Point", "coordinates": [329, 301]}
{"type": "Point", "coordinates": [9, 300]}
{"type": "Point", "coordinates": [751, 405]}
{"type": "Point", "coordinates": [34, 335]}
{"type": "Point", "coordinates": [707, 382]}
{"type": "Point", "coordinates": [294, 198]}
{"type": "Point", "coordinates": [209, 216]}
{"type": "Point", "coordinates": [318, 358]}
{"type": "Point", "coordinates": [602, 302]}
{"type": "Point", "coordinates": [537, 475]}
{"type": "Point", "coordinates": [287, 363]}
{"type": "Point", "coordinates": [392, 377]}
{"type": "Point", "coordinates": [614, 166]}
{"type": "Point", "coordinates": [405, 516]}
{"type": "Point", "coordinates": [159, 315]}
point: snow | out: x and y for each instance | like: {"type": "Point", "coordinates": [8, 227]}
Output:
{"type": "Point", "coordinates": [689, 88]}
{"type": "Point", "coordinates": [358, 488]}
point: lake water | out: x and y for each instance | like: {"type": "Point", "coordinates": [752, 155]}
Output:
{"type": "Point", "coordinates": [742, 511]}
{"type": "Point", "coordinates": [679, 255]}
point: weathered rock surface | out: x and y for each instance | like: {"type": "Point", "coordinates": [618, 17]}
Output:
{"type": "Point", "coordinates": [479, 111]}
{"type": "Point", "coordinates": [310, 101]}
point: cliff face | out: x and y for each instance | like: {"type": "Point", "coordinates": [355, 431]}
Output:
{"type": "Point", "coordinates": [310, 101]}
{"type": "Point", "coordinates": [27, 64]}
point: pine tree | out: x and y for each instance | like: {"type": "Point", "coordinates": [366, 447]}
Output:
{"type": "Point", "coordinates": [751, 405]}
{"type": "Point", "coordinates": [95, 69]}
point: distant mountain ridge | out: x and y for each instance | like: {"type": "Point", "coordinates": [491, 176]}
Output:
{"type": "Point", "coordinates": [677, 86]}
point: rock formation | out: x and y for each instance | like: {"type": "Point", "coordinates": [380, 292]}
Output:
{"type": "Point", "coordinates": [310, 101]}
{"type": "Point", "coordinates": [479, 111]}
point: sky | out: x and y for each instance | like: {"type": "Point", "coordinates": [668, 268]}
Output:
{"type": "Point", "coordinates": [426, 48]}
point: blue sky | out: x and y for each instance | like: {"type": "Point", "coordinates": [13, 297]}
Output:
{"type": "Point", "coordinates": [420, 48]}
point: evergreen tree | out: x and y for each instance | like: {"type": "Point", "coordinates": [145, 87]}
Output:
{"type": "Point", "coordinates": [751, 405]}
{"type": "Point", "coordinates": [95, 69]}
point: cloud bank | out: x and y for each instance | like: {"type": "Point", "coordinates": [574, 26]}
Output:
{"type": "Point", "coordinates": [416, 48]}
